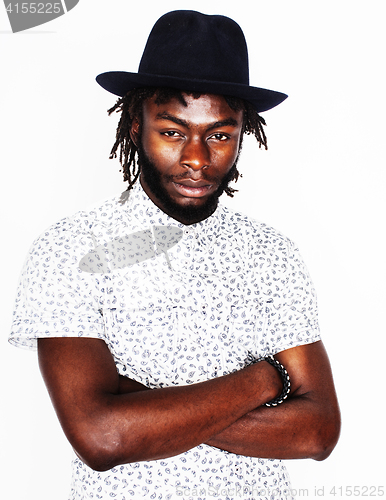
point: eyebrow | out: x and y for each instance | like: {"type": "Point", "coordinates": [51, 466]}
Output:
{"type": "Point", "coordinates": [228, 122]}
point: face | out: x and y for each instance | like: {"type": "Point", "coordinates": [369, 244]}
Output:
{"type": "Point", "coordinates": [187, 153]}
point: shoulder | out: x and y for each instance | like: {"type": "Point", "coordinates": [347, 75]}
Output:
{"type": "Point", "coordinates": [70, 236]}
{"type": "Point", "coordinates": [259, 236]}
{"type": "Point", "coordinates": [103, 214]}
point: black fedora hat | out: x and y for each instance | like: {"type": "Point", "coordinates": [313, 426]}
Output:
{"type": "Point", "coordinates": [191, 51]}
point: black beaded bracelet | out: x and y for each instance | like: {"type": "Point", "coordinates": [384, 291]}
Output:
{"type": "Point", "coordinates": [285, 378]}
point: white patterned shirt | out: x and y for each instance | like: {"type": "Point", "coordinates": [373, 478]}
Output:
{"type": "Point", "coordinates": [176, 305]}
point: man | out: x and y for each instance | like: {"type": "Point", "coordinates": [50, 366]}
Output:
{"type": "Point", "coordinates": [165, 289]}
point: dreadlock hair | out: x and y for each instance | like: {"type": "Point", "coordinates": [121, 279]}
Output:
{"type": "Point", "coordinates": [130, 107]}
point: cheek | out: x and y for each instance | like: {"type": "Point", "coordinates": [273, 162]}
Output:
{"type": "Point", "coordinates": [161, 154]}
{"type": "Point", "coordinates": [225, 159]}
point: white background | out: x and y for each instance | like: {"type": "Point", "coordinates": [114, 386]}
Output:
{"type": "Point", "coordinates": [322, 182]}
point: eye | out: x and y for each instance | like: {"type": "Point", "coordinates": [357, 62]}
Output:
{"type": "Point", "coordinates": [219, 137]}
{"type": "Point", "coordinates": [170, 133]}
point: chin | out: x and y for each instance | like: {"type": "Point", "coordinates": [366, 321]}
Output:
{"type": "Point", "coordinates": [187, 210]}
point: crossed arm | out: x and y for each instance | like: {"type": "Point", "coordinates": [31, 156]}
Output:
{"type": "Point", "coordinates": [110, 420]}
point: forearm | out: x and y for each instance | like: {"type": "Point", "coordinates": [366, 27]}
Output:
{"type": "Point", "coordinates": [298, 428]}
{"type": "Point", "coordinates": [155, 424]}
{"type": "Point", "coordinates": [110, 420]}
{"type": "Point", "coordinates": [306, 425]}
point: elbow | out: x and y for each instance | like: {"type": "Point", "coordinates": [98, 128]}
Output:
{"type": "Point", "coordinates": [99, 462]}
{"type": "Point", "coordinates": [99, 451]}
{"type": "Point", "coordinates": [326, 437]}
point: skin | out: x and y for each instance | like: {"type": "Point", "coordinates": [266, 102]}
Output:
{"type": "Point", "coordinates": [107, 427]}
{"type": "Point", "coordinates": [193, 147]}
{"type": "Point", "coordinates": [112, 420]}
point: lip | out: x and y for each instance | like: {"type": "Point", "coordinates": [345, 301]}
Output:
{"type": "Point", "coordinates": [192, 189]}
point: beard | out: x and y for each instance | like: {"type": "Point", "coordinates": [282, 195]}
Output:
{"type": "Point", "coordinates": [188, 214]}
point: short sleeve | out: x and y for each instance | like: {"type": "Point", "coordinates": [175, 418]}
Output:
{"type": "Point", "coordinates": [54, 297]}
{"type": "Point", "coordinates": [290, 301]}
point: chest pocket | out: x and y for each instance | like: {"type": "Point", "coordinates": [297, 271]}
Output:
{"type": "Point", "coordinates": [143, 342]}
{"type": "Point", "coordinates": [242, 338]}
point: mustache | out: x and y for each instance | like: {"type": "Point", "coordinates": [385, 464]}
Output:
{"type": "Point", "coordinates": [186, 175]}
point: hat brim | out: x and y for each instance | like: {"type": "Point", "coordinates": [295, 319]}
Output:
{"type": "Point", "coordinates": [120, 82]}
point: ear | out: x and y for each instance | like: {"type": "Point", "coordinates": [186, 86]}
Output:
{"type": "Point", "coordinates": [134, 131]}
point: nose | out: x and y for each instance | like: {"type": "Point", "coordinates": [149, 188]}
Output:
{"type": "Point", "coordinates": [195, 154]}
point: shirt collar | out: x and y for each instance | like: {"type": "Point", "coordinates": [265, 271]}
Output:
{"type": "Point", "coordinates": [144, 213]}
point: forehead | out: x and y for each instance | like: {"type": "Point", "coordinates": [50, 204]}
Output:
{"type": "Point", "coordinates": [208, 108]}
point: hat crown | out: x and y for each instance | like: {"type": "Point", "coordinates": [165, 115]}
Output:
{"type": "Point", "coordinates": [188, 44]}
{"type": "Point", "coordinates": [194, 52]}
